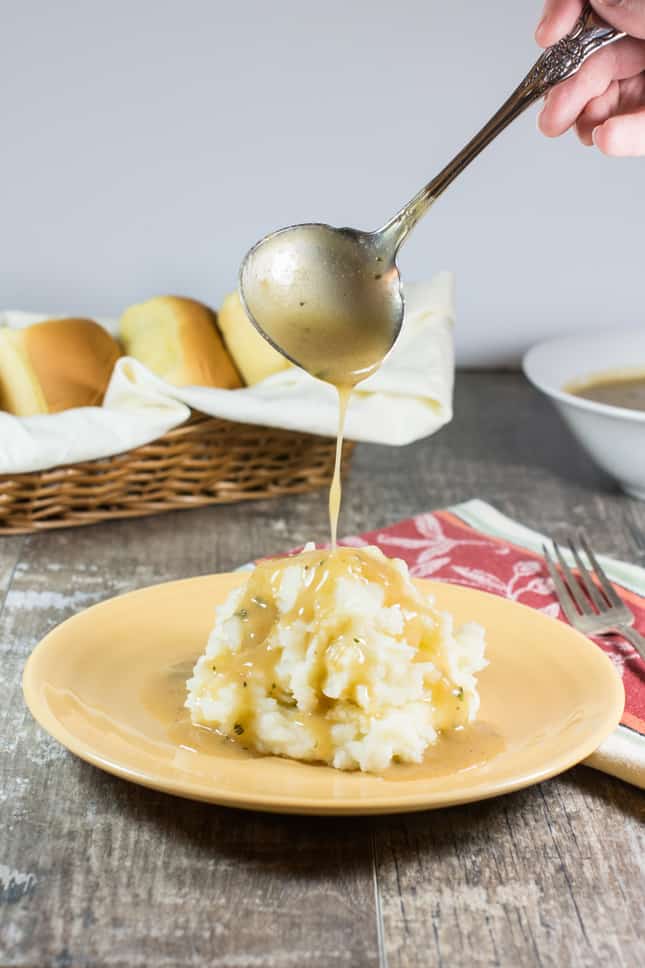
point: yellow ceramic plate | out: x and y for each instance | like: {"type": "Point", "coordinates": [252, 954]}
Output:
{"type": "Point", "coordinates": [109, 685]}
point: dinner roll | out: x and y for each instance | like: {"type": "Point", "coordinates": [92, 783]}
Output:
{"type": "Point", "coordinates": [55, 365]}
{"type": "Point", "coordinates": [254, 357]}
{"type": "Point", "coordinates": [178, 339]}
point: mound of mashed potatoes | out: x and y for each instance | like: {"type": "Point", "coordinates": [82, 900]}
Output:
{"type": "Point", "coordinates": [336, 657]}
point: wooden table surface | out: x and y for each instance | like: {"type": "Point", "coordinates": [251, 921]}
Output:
{"type": "Point", "coordinates": [95, 871]}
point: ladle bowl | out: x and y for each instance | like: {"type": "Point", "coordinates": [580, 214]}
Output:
{"type": "Point", "coordinates": [330, 299]}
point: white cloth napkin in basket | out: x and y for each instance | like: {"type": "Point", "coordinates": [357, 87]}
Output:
{"type": "Point", "coordinates": [410, 397]}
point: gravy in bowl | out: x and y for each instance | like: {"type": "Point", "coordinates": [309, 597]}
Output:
{"type": "Point", "coordinates": [611, 431]}
{"type": "Point", "coordinates": [625, 390]}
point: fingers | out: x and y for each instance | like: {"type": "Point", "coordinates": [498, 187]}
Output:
{"type": "Point", "coordinates": [627, 15]}
{"type": "Point", "coordinates": [606, 98]}
{"type": "Point", "coordinates": [597, 112]}
{"type": "Point", "coordinates": [624, 97]}
{"type": "Point", "coordinates": [559, 16]}
{"type": "Point", "coordinates": [566, 102]}
{"type": "Point", "coordinates": [623, 135]}
{"type": "Point", "coordinates": [557, 20]}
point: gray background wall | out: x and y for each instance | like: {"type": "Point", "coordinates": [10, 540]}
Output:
{"type": "Point", "coordinates": [147, 144]}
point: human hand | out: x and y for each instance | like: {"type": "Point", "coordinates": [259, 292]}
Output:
{"type": "Point", "coordinates": [605, 100]}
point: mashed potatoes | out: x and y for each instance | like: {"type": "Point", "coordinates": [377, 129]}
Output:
{"type": "Point", "coordinates": [338, 658]}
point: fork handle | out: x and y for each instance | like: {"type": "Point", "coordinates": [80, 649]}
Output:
{"type": "Point", "coordinates": [634, 637]}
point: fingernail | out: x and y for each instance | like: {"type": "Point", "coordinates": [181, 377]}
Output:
{"type": "Point", "coordinates": [540, 27]}
{"type": "Point", "coordinates": [593, 133]}
{"type": "Point", "coordinates": [610, 3]}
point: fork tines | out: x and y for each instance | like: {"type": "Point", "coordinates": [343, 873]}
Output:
{"type": "Point", "coordinates": [584, 593]}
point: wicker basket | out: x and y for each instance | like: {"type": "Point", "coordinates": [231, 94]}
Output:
{"type": "Point", "coordinates": [205, 461]}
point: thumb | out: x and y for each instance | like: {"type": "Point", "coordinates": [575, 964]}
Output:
{"type": "Point", "coordinates": [627, 15]}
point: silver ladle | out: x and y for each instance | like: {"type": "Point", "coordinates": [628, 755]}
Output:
{"type": "Point", "coordinates": [329, 298]}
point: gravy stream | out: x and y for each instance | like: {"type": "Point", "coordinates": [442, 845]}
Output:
{"type": "Point", "coordinates": [341, 349]}
{"type": "Point", "coordinates": [335, 491]}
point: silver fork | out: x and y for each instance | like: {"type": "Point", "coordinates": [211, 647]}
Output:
{"type": "Point", "coordinates": [610, 613]}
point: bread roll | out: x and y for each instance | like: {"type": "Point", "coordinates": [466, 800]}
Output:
{"type": "Point", "coordinates": [55, 365]}
{"type": "Point", "coordinates": [254, 357]}
{"type": "Point", "coordinates": [177, 339]}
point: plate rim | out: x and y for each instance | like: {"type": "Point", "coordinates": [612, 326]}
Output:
{"type": "Point", "coordinates": [319, 806]}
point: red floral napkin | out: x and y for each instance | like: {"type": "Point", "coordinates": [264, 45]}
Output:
{"type": "Point", "coordinates": [473, 544]}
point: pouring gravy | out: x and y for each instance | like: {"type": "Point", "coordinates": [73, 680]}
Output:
{"type": "Point", "coordinates": [341, 351]}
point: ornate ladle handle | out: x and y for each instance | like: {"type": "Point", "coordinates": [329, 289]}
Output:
{"type": "Point", "coordinates": [565, 58]}
{"type": "Point", "coordinates": [555, 65]}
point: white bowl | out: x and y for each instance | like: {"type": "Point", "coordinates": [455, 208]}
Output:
{"type": "Point", "coordinates": [613, 436]}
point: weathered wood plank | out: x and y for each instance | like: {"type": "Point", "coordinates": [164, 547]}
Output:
{"type": "Point", "coordinates": [10, 549]}
{"type": "Point", "coordinates": [107, 874]}
{"type": "Point", "coordinates": [543, 877]}
{"type": "Point", "coordinates": [112, 873]}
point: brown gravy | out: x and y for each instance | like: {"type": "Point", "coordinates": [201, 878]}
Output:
{"type": "Point", "coordinates": [613, 389]}
{"type": "Point", "coordinates": [163, 698]}
{"type": "Point", "coordinates": [341, 354]}
{"type": "Point", "coordinates": [335, 491]}
{"type": "Point", "coordinates": [255, 661]}
{"type": "Point", "coordinates": [341, 349]}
